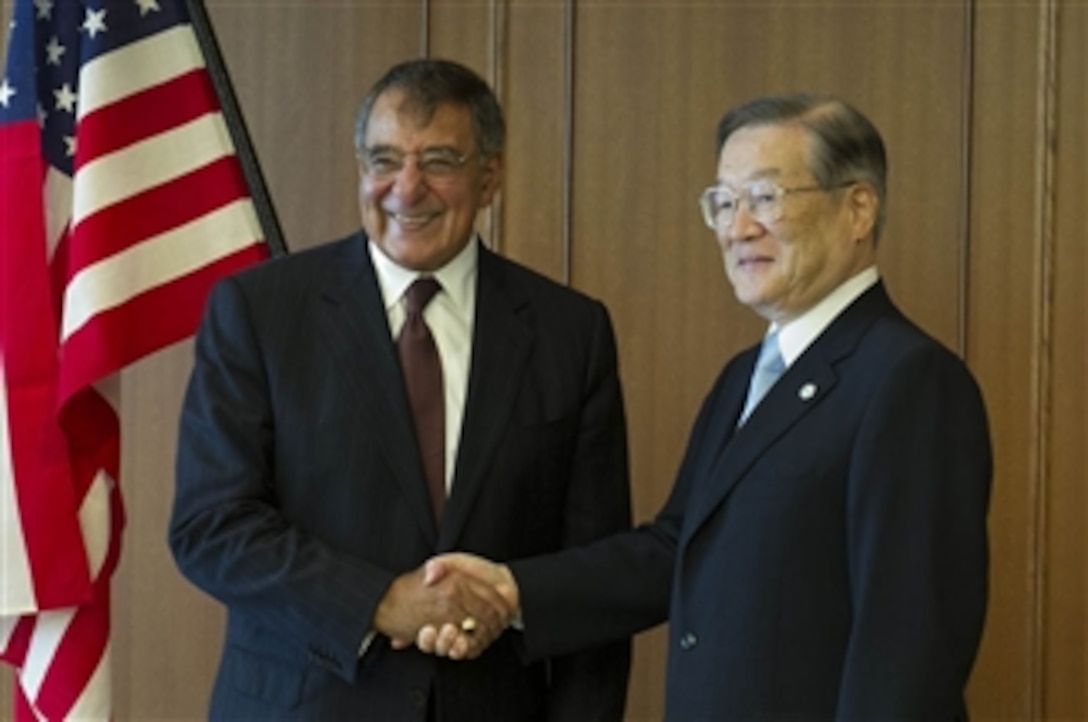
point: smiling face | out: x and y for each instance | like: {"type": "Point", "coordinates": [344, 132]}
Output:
{"type": "Point", "coordinates": [422, 222]}
{"type": "Point", "coordinates": [783, 269]}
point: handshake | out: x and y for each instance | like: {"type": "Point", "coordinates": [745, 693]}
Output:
{"type": "Point", "coordinates": [454, 606]}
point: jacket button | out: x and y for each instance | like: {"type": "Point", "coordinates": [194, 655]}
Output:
{"type": "Point", "coordinates": [688, 641]}
{"type": "Point", "coordinates": [419, 698]}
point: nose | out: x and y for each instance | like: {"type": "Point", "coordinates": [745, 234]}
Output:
{"type": "Point", "coordinates": [409, 180]}
{"type": "Point", "coordinates": [744, 226]}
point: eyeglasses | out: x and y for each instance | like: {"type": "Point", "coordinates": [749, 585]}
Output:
{"type": "Point", "coordinates": [383, 163]}
{"type": "Point", "coordinates": [763, 198]}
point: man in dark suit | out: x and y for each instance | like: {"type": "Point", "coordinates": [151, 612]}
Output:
{"type": "Point", "coordinates": [825, 546]}
{"type": "Point", "coordinates": [302, 499]}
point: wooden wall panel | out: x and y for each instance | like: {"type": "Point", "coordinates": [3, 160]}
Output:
{"type": "Point", "coordinates": [166, 633]}
{"type": "Point", "coordinates": [1003, 336]}
{"type": "Point", "coordinates": [1065, 664]}
{"type": "Point", "coordinates": [465, 30]}
{"type": "Point", "coordinates": [533, 90]}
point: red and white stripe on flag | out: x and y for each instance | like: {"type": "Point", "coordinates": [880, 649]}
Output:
{"type": "Point", "coordinates": [121, 202]}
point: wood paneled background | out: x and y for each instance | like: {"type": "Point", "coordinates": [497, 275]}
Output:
{"type": "Point", "coordinates": [612, 106]}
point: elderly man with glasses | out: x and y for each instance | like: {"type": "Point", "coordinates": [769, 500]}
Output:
{"type": "Point", "coordinates": [823, 554]}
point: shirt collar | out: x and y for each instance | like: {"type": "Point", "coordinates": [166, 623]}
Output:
{"type": "Point", "coordinates": [457, 277]}
{"type": "Point", "coordinates": [797, 335]}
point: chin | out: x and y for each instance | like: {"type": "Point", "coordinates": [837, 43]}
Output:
{"type": "Point", "coordinates": [408, 253]}
{"type": "Point", "coordinates": [746, 294]}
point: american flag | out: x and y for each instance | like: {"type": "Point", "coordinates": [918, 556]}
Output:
{"type": "Point", "coordinates": [122, 200]}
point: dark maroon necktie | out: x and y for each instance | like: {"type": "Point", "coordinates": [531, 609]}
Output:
{"type": "Point", "coordinates": [423, 377]}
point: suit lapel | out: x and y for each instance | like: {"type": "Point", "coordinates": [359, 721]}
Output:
{"type": "Point", "coordinates": [802, 388]}
{"type": "Point", "coordinates": [500, 348]}
{"type": "Point", "coordinates": [356, 329]}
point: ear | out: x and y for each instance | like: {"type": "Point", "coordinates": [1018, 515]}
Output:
{"type": "Point", "coordinates": [490, 179]}
{"type": "Point", "coordinates": [863, 205]}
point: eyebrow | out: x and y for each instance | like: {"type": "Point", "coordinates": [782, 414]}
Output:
{"type": "Point", "coordinates": [386, 147]}
{"type": "Point", "coordinates": [761, 174]}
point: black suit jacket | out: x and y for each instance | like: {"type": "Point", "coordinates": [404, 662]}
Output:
{"type": "Point", "coordinates": [827, 560]}
{"type": "Point", "coordinates": [300, 494]}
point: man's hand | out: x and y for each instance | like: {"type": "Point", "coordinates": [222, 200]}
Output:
{"type": "Point", "coordinates": [461, 601]}
{"type": "Point", "coordinates": [450, 639]}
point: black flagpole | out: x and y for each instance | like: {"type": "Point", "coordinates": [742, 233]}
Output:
{"type": "Point", "coordinates": [236, 125]}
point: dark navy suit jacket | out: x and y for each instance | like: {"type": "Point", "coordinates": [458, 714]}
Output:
{"type": "Point", "coordinates": [825, 561]}
{"type": "Point", "coordinates": [300, 494]}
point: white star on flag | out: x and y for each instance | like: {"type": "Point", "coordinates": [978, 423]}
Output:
{"type": "Point", "coordinates": [66, 99]}
{"type": "Point", "coordinates": [45, 9]}
{"type": "Point", "coordinates": [95, 22]}
{"type": "Point", "coordinates": [6, 93]}
{"type": "Point", "coordinates": [147, 6]}
{"type": "Point", "coordinates": [53, 51]}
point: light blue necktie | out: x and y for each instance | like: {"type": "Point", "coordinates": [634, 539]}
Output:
{"type": "Point", "coordinates": [769, 367]}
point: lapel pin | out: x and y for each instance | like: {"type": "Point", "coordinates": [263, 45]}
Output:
{"type": "Point", "coordinates": [807, 392]}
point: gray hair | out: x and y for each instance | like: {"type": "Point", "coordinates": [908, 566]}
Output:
{"type": "Point", "coordinates": [847, 146]}
{"type": "Point", "coordinates": [428, 83]}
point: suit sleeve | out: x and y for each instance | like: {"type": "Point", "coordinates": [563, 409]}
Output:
{"type": "Point", "coordinates": [227, 532]}
{"type": "Point", "coordinates": [918, 491]}
{"type": "Point", "coordinates": [619, 585]}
